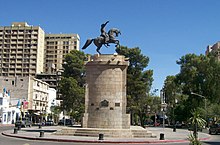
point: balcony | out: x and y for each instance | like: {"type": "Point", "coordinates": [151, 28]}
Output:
{"type": "Point", "coordinates": [13, 42]}
{"type": "Point", "coordinates": [14, 32]}
{"type": "Point", "coordinates": [18, 66]}
{"type": "Point", "coordinates": [18, 72]}
{"type": "Point", "coordinates": [20, 32]}
{"type": "Point", "coordinates": [33, 61]}
{"type": "Point", "coordinates": [20, 42]}
{"type": "Point", "coordinates": [19, 56]}
{"type": "Point", "coordinates": [11, 72]}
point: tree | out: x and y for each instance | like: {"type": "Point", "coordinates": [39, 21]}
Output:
{"type": "Point", "coordinates": [198, 74]}
{"type": "Point", "coordinates": [174, 99]}
{"type": "Point", "coordinates": [192, 78]}
{"type": "Point", "coordinates": [72, 83]}
{"type": "Point", "coordinates": [138, 81]}
{"type": "Point", "coordinates": [73, 94]}
{"type": "Point", "coordinates": [55, 111]}
{"type": "Point", "coordinates": [74, 66]}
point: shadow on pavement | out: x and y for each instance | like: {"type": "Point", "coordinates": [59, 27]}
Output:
{"type": "Point", "coordinates": [212, 142]}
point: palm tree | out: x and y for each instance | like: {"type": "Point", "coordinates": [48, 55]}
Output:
{"type": "Point", "coordinates": [56, 110]}
{"type": "Point", "coordinates": [197, 122]}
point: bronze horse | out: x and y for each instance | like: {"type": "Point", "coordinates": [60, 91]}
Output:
{"type": "Point", "coordinates": [99, 41]}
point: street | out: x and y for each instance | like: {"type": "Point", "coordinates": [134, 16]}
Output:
{"type": "Point", "coordinates": [215, 140]}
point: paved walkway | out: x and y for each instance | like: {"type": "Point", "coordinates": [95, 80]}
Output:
{"type": "Point", "coordinates": [33, 133]}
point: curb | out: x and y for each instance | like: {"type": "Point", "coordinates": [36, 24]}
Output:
{"type": "Point", "coordinates": [99, 141]}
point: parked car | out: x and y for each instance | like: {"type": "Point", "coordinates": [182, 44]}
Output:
{"type": "Point", "coordinates": [180, 124]}
{"type": "Point", "coordinates": [23, 123]}
{"type": "Point", "coordinates": [49, 123]}
{"type": "Point", "coordinates": [214, 129]}
{"type": "Point", "coordinates": [68, 122]}
{"type": "Point", "coordinates": [190, 128]}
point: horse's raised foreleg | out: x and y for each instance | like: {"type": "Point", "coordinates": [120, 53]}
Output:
{"type": "Point", "coordinates": [117, 44]}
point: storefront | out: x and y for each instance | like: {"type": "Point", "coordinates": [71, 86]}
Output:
{"type": "Point", "coordinates": [9, 115]}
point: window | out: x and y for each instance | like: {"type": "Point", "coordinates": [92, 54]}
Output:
{"type": "Point", "coordinates": [117, 104]}
{"type": "Point", "coordinates": [9, 117]}
{"type": "Point", "coordinates": [65, 42]}
{"type": "Point", "coordinates": [1, 101]}
{"type": "Point", "coordinates": [13, 83]}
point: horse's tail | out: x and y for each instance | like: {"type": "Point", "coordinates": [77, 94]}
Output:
{"type": "Point", "coordinates": [88, 42]}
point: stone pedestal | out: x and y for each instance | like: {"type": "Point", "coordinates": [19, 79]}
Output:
{"type": "Point", "coordinates": [105, 99]}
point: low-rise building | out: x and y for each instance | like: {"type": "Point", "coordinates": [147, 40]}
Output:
{"type": "Point", "coordinates": [31, 92]}
{"type": "Point", "coordinates": [8, 113]}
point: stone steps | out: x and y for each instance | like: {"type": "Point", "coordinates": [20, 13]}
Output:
{"type": "Point", "coordinates": [115, 133]}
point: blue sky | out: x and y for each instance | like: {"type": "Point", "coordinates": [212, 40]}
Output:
{"type": "Point", "coordinates": [164, 30]}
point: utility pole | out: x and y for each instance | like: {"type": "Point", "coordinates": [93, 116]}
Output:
{"type": "Point", "coordinates": [205, 103]}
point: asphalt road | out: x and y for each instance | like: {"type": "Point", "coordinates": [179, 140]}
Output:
{"type": "Point", "coordinates": [215, 140]}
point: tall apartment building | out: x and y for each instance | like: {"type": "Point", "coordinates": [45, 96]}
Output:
{"type": "Point", "coordinates": [26, 50]}
{"type": "Point", "coordinates": [56, 47]}
{"type": "Point", "coordinates": [21, 50]}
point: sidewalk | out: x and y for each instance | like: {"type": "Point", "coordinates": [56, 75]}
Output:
{"type": "Point", "coordinates": [7, 125]}
{"type": "Point", "coordinates": [33, 133]}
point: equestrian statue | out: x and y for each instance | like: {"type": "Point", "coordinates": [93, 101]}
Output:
{"type": "Point", "coordinates": [104, 38]}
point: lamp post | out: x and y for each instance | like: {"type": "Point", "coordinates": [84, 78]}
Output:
{"type": "Point", "coordinates": [174, 122]}
{"type": "Point", "coordinates": [163, 107]}
{"type": "Point", "coordinates": [205, 103]}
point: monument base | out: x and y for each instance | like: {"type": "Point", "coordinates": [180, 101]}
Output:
{"type": "Point", "coordinates": [133, 132]}
{"type": "Point", "coordinates": [105, 95]}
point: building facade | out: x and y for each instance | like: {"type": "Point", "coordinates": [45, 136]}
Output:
{"type": "Point", "coordinates": [21, 49]}
{"type": "Point", "coordinates": [56, 47]}
{"type": "Point", "coordinates": [9, 113]}
{"type": "Point", "coordinates": [26, 50]}
{"type": "Point", "coordinates": [214, 49]}
{"type": "Point", "coordinates": [51, 79]}
{"type": "Point", "coordinates": [27, 89]}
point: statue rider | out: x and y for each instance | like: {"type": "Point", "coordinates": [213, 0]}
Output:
{"type": "Point", "coordinates": [104, 34]}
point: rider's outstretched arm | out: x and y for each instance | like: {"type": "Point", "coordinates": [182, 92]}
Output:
{"type": "Point", "coordinates": [106, 23]}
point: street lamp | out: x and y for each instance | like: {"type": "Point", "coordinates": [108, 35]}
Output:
{"type": "Point", "coordinates": [163, 107]}
{"type": "Point", "coordinates": [205, 103]}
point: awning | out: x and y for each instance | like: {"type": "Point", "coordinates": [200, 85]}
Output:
{"type": "Point", "coordinates": [37, 113]}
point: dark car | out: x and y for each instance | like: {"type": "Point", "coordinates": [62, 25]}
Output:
{"type": "Point", "coordinates": [23, 123]}
{"type": "Point", "coordinates": [180, 124]}
{"type": "Point", "coordinates": [49, 123]}
{"type": "Point", "coordinates": [68, 122]}
{"type": "Point", "coordinates": [214, 129]}
{"type": "Point", "coordinates": [191, 128]}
